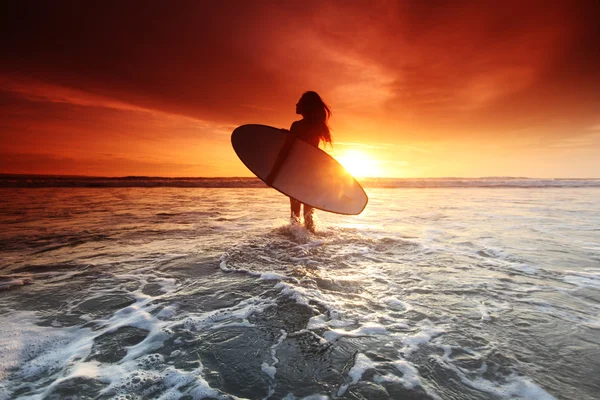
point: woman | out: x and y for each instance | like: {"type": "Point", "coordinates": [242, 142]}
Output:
{"type": "Point", "coordinates": [313, 129]}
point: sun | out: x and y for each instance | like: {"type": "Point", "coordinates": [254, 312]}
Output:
{"type": "Point", "coordinates": [358, 163]}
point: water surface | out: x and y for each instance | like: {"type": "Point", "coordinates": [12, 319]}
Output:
{"type": "Point", "coordinates": [431, 293]}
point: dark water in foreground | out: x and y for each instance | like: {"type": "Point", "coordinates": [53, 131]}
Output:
{"type": "Point", "coordinates": [167, 293]}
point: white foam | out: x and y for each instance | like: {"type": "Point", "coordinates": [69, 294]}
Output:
{"type": "Point", "coordinates": [35, 348]}
{"type": "Point", "coordinates": [413, 342]}
{"type": "Point", "coordinates": [272, 276]}
{"type": "Point", "coordinates": [317, 322]}
{"type": "Point", "coordinates": [136, 315]}
{"type": "Point", "coordinates": [234, 316]}
{"type": "Point", "coordinates": [127, 378]}
{"type": "Point", "coordinates": [223, 263]}
{"type": "Point", "coordinates": [485, 315]}
{"type": "Point", "coordinates": [368, 329]}
{"type": "Point", "coordinates": [313, 334]}
{"type": "Point", "coordinates": [167, 284]}
{"type": "Point", "coordinates": [410, 376]}
{"type": "Point", "coordinates": [297, 232]}
{"type": "Point", "coordinates": [321, 321]}
{"type": "Point", "coordinates": [339, 323]}
{"type": "Point", "coordinates": [85, 369]}
{"type": "Point", "coordinates": [167, 312]}
{"type": "Point", "coordinates": [391, 378]}
{"type": "Point", "coordinates": [517, 386]}
{"type": "Point", "coordinates": [362, 363]}
{"type": "Point", "coordinates": [270, 370]}
{"type": "Point", "coordinates": [397, 304]}
{"type": "Point", "coordinates": [65, 346]}
{"type": "Point", "coordinates": [293, 292]}
{"type": "Point", "coordinates": [40, 350]}
{"type": "Point", "coordinates": [153, 341]}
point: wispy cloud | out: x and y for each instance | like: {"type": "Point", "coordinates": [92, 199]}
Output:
{"type": "Point", "coordinates": [588, 142]}
{"type": "Point", "coordinates": [96, 166]}
{"type": "Point", "coordinates": [593, 128]}
{"type": "Point", "coordinates": [46, 92]}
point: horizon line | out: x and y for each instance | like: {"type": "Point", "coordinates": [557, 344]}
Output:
{"type": "Point", "coordinates": [20, 175]}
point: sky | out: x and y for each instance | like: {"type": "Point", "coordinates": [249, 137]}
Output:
{"type": "Point", "coordinates": [417, 88]}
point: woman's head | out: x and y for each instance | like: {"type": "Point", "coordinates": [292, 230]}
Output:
{"type": "Point", "coordinates": [312, 106]}
{"type": "Point", "coordinates": [314, 110]}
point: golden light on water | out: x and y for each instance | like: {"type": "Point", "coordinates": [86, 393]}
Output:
{"type": "Point", "coordinates": [359, 163]}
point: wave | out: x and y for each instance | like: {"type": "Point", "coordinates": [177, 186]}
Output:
{"type": "Point", "coordinates": [45, 181]}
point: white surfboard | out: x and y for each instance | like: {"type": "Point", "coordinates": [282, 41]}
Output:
{"type": "Point", "coordinates": [298, 170]}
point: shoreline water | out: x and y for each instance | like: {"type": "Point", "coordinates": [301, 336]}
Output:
{"type": "Point", "coordinates": [439, 293]}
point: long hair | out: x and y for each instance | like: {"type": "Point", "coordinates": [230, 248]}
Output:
{"type": "Point", "coordinates": [317, 112]}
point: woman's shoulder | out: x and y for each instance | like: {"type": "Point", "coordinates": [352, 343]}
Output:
{"type": "Point", "coordinates": [297, 124]}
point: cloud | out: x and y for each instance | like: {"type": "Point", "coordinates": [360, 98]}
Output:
{"type": "Point", "coordinates": [194, 59]}
{"type": "Point", "coordinates": [88, 136]}
{"type": "Point", "coordinates": [587, 142]}
{"type": "Point", "coordinates": [148, 78]}
{"type": "Point", "coordinates": [37, 91]}
{"type": "Point", "coordinates": [110, 165]}
{"type": "Point", "coordinates": [462, 62]}
{"type": "Point", "coordinates": [465, 65]}
{"type": "Point", "coordinates": [593, 128]}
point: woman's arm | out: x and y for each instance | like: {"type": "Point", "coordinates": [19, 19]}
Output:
{"type": "Point", "coordinates": [283, 154]}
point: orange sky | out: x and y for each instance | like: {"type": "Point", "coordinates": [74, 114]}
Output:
{"type": "Point", "coordinates": [467, 88]}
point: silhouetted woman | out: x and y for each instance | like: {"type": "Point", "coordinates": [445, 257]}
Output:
{"type": "Point", "coordinates": [313, 129]}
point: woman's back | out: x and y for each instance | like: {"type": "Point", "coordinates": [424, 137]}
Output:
{"type": "Point", "coordinates": [307, 131]}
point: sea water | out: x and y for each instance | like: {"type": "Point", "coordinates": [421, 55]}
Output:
{"type": "Point", "coordinates": [462, 292]}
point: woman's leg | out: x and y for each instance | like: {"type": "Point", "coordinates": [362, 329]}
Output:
{"type": "Point", "coordinates": [295, 209]}
{"type": "Point", "coordinates": [309, 223]}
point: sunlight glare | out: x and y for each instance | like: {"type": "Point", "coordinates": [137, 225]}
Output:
{"type": "Point", "coordinates": [358, 163]}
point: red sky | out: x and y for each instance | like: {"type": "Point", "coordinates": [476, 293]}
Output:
{"type": "Point", "coordinates": [420, 88]}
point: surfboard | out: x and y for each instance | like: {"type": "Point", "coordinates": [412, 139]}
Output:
{"type": "Point", "coordinates": [298, 170]}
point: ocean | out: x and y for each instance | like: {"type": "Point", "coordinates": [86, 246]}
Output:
{"type": "Point", "coordinates": [139, 288]}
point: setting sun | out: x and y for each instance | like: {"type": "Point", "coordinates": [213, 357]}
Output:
{"type": "Point", "coordinates": [359, 163]}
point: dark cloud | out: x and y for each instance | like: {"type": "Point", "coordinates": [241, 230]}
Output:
{"type": "Point", "coordinates": [480, 65]}
{"type": "Point", "coordinates": [186, 57]}
{"type": "Point", "coordinates": [231, 60]}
